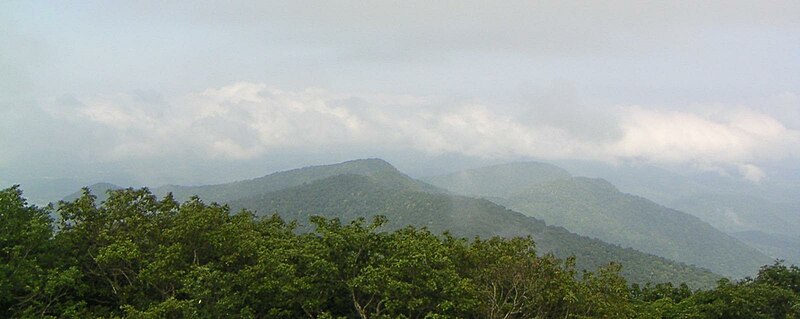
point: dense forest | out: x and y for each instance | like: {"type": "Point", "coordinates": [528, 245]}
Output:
{"type": "Point", "coordinates": [351, 196]}
{"type": "Point", "coordinates": [138, 256]}
{"type": "Point", "coordinates": [365, 188]}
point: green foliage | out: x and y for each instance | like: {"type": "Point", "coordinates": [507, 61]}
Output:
{"type": "Point", "coordinates": [27, 275]}
{"type": "Point", "coordinates": [137, 256]}
{"type": "Point", "coordinates": [353, 196]}
{"type": "Point", "coordinates": [780, 275]}
{"type": "Point", "coordinates": [769, 295]}
{"type": "Point", "coordinates": [595, 208]}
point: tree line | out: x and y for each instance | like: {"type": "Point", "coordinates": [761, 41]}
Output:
{"type": "Point", "coordinates": [138, 256]}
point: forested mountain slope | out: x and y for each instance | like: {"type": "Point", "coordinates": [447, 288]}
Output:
{"type": "Point", "coordinates": [776, 245]}
{"type": "Point", "coordinates": [595, 208]}
{"type": "Point", "coordinates": [295, 177]}
{"type": "Point", "coordinates": [353, 196]}
{"type": "Point", "coordinates": [729, 203]}
{"type": "Point", "coordinates": [363, 188]}
{"type": "Point", "coordinates": [499, 180]}
{"type": "Point", "coordinates": [739, 212]}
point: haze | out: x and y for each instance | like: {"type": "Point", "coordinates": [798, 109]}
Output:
{"type": "Point", "coordinates": [162, 92]}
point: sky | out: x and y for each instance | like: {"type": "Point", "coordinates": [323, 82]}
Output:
{"type": "Point", "coordinates": [160, 92]}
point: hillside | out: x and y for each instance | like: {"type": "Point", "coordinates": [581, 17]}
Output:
{"type": "Point", "coordinates": [368, 187]}
{"type": "Point", "coordinates": [595, 208]}
{"type": "Point", "coordinates": [737, 213]}
{"type": "Point", "coordinates": [291, 178]}
{"type": "Point", "coordinates": [775, 245]}
{"type": "Point", "coordinates": [499, 180]}
{"type": "Point", "coordinates": [354, 196]}
{"type": "Point", "coordinates": [729, 203]}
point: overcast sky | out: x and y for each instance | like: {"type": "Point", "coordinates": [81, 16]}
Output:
{"type": "Point", "coordinates": [154, 92]}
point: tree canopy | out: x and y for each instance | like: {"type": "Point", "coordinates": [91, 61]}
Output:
{"type": "Point", "coordinates": [138, 256]}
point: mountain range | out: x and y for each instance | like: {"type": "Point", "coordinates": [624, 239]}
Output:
{"type": "Point", "coordinates": [596, 208]}
{"type": "Point", "coordinates": [365, 188]}
{"type": "Point", "coordinates": [743, 209]}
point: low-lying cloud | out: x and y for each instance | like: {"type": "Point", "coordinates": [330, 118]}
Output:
{"type": "Point", "coordinates": [244, 121]}
{"type": "Point", "coordinates": [734, 136]}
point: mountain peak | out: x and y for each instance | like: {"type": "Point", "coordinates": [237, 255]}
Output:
{"type": "Point", "coordinates": [597, 184]}
{"type": "Point", "coordinates": [527, 165]}
{"type": "Point", "coordinates": [371, 167]}
{"type": "Point", "coordinates": [370, 164]}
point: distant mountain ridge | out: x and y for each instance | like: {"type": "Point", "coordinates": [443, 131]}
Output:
{"type": "Point", "coordinates": [729, 203]}
{"type": "Point", "coordinates": [353, 196]}
{"type": "Point", "coordinates": [737, 213]}
{"type": "Point", "coordinates": [499, 180]}
{"type": "Point", "coordinates": [595, 208]}
{"type": "Point", "coordinates": [364, 188]}
{"type": "Point", "coordinates": [788, 247]}
{"type": "Point", "coordinates": [291, 178]}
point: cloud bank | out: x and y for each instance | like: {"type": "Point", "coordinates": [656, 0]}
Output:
{"type": "Point", "coordinates": [245, 121]}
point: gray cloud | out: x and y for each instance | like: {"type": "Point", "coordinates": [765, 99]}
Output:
{"type": "Point", "coordinates": [128, 86]}
{"type": "Point", "coordinates": [246, 121]}
{"type": "Point", "coordinates": [611, 48]}
{"type": "Point", "coordinates": [578, 27]}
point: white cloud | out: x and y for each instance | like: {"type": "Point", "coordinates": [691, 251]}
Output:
{"type": "Point", "coordinates": [249, 120]}
{"type": "Point", "coordinates": [474, 130]}
{"type": "Point", "coordinates": [751, 172]}
{"type": "Point", "coordinates": [238, 121]}
{"type": "Point", "coordinates": [735, 136]}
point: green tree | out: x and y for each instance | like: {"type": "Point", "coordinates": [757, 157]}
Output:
{"type": "Point", "coordinates": [27, 281]}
